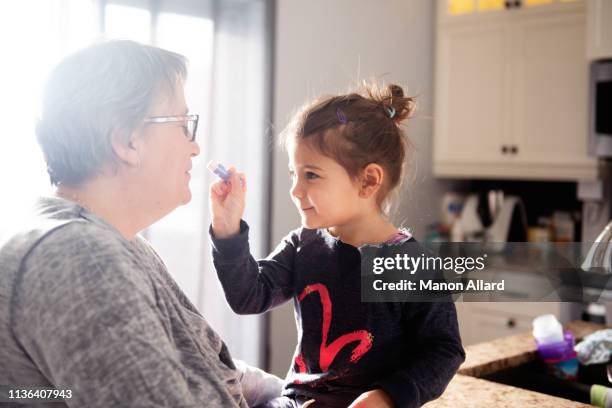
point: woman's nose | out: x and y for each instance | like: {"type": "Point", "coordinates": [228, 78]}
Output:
{"type": "Point", "coordinates": [195, 149]}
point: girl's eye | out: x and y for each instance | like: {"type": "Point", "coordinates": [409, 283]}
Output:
{"type": "Point", "coordinates": [311, 176]}
{"type": "Point", "coordinates": [291, 174]}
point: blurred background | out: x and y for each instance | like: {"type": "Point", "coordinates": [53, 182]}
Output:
{"type": "Point", "coordinates": [512, 136]}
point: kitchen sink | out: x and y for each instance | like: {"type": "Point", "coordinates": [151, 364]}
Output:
{"type": "Point", "coordinates": [534, 376]}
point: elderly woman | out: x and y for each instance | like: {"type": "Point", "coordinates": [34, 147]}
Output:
{"type": "Point", "coordinates": [86, 306]}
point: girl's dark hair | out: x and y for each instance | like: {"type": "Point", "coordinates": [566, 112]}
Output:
{"type": "Point", "coordinates": [358, 129]}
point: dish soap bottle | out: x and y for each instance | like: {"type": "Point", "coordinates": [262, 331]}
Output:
{"type": "Point", "coordinates": [556, 347]}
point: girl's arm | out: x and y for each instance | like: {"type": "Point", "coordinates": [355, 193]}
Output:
{"type": "Point", "coordinates": [436, 357]}
{"type": "Point", "coordinates": [250, 286]}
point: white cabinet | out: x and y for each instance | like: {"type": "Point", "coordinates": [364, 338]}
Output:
{"type": "Point", "coordinates": [599, 29]}
{"type": "Point", "coordinates": [512, 94]}
{"type": "Point", "coordinates": [469, 119]}
{"type": "Point", "coordinates": [479, 322]}
{"type": "Point", "coordinates": [551, 87]}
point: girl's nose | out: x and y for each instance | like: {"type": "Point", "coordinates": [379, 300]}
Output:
{"type": "Point", "coordinates": [296, 190]}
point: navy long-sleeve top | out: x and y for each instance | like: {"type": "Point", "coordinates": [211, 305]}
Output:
{"type": "Point", "coordinates": [345, 346]}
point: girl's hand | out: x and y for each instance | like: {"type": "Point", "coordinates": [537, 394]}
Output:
{"type": "Point", "coordinates": [227, 204]}
{"type": "Point", "coordinates": [373, 399]}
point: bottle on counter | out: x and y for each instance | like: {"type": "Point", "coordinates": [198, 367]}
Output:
{"type": "Point", "coordinates": [556, 347]}
{"type": "Point", "coordinates": [452, 206]}
{"type": "Point", "coordinates": [563, 226]}
{"type": "Point", "coordinates": [542, 233]}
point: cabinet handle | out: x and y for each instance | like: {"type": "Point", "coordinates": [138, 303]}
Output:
{"type": "Point", "coordinates": [514, 149]}
{"type": "Point", "coordinates": [511, 322]}
{"type": "Point", "coordinates": [504, 149]}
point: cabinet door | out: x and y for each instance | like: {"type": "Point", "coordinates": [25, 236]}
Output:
{"type": "Point", "coordinates": [471, 89]}
{"type": "Point", "coordinates": [599, 29]}
{"type": "Point", "coordinates": [551, 76]}
{"type": "Point", "coordinates": [479, 322]}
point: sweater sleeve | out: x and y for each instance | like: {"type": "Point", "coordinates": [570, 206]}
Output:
{"type": "Point", "coordinates": [252, 286]}
{"type": "Point", "coordinates": [257, 385]}
{"type": "Point", "coordinates": [436, 357]}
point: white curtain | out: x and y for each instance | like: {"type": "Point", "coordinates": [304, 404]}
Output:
{"type": "Point", "coordinates": [228, 45]}
{"type": "Point", "coordinates": [34, 36]}
{"type": "Point", "coordinates": [234, 78]}
{"type": "Point", "coordinates": [239, 124]}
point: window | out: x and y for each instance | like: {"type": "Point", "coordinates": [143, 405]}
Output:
{"type": "Point", "coordinates": [227, 45]}
{"type": "Point", "coordinates": [127, 22]}
{"type": "Point", "coordinates": [34, 35]}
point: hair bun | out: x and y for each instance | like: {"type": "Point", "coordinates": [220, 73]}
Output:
{"type": "Point", "coordinates": [390, 99]}
{"type": "Point", "coordinates": [401, 105]}
{"type": "Point", "coordinates": [395, 91]}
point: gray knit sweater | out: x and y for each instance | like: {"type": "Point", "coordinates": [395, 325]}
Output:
{"type": "Point", "coordinates": [85, 310]}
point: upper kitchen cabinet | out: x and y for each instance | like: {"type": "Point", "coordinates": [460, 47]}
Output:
{"type": "Point", "coordinates": [471, 125]}
{"type": "Point", "coordinates": [512, 91]}
{"type": "Point", "coordinates": [599, 29]}
{"type": "Point", "coordinates": [450, 11]}
{"type": "Point", "coordinates": [550, 92]}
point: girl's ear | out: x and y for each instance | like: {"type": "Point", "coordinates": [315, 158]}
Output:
{"type": "Point", "coordinates": [128, 151]}
{"type": "Point", "coordinates": [371, 179]}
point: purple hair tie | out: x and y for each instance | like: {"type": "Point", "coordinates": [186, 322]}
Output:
{"type": "Point", "coordinates": [341, 116]}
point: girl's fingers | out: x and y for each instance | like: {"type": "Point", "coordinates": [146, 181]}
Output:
{"type": "Point", "coordinates": [219, 188]}
{"type": "Point", "coordinates": [242, 181]}
{"type": "Point", "coordinates": [237, 180]}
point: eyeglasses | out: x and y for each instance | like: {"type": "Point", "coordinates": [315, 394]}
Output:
{"type": "Point", "coordinates": [190, 127]}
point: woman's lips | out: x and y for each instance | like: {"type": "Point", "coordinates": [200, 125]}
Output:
{"type": "Point", "coordinates": [306, 209]}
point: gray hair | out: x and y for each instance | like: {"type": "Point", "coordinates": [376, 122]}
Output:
{"type": "Point", "coordinates": [107, 87]}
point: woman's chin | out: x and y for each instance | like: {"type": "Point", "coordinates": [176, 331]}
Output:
{"type": "Point", "coordinates": [186, 198]}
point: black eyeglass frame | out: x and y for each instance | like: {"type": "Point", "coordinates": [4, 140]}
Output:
{"type": "Point", "coordinates": [190, 119]}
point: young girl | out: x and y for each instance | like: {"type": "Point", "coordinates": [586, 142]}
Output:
{"type": "Point", "coordinates": [346, 156]}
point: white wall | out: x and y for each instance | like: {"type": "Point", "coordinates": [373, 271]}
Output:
{"type": "Point", "coordinates": [325, 46]}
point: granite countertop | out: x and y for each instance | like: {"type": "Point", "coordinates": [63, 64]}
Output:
{"type": "Point", "coordinates": [466, 390]}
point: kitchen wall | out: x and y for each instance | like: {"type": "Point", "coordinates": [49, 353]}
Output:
{"type": "Point", "coordinates": [324, 47]}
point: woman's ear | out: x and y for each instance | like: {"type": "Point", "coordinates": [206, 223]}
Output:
{"type": "Point", "coordinates": [371, 179]}
{"type": "Point", "coordinates": [127, 150]}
